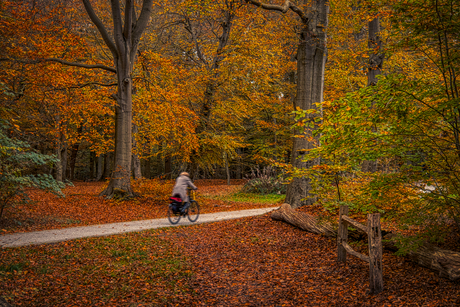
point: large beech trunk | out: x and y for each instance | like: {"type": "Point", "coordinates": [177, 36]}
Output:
{"type": "Point", "coordinates": [127, 32]}
{"type": "Point", "coordinates": [311, 60]}
{"type": "Point", "coordinates": [445, 262]}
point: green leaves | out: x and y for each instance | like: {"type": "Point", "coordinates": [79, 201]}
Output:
{"type": "Point", "coordinates": [17, 161]}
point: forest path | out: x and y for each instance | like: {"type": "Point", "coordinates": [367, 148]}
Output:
{"type": "Point", "coordinates": [59, 235]}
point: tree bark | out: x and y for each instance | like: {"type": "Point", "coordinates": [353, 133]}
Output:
{"type": "Point", "coordinates": [168, 166]}
{"type": "Point", "coordinates": [374, 69]}
{"type": "Point", "coordinates": [147, 166]}
{"type": "Point", "coordinates": [311, 61]}
{"type": "Point", "coordinates": [137, 174]}
{"type": "Point", "coordinates": [73, 160]}
{"type": "Point", "coordinates": [92, 168]}
{"type": "Point", "coordinates": [227, 168]}
{"type": "Point", "coordinates": [108, 165]}
{"type": "Point", "coordinates": [445, 262]}
{"type": "Point", "coordinates": [58, 170]}
{"type": "Point", "coordinates": [100, 164]}
{"type": "Point", "coordinates": [127, 31]}
{"type": "Point", "coordinates": [376, 55]}
{"type": "Point", "coordinates": [304, 221]}
{"type": "Point", "coordinates": [64, 158]}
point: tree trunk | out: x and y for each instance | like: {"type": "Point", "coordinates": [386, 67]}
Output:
{"type": "Point", "coordinates": [376, 55]}
{"type": "Point", "coordinates": [227, 168]}
{"type": "Point", "coordinates": [121, 174]}
{"type": "Point", "coordinates": [147, 166]}
{"type": "Point", "coordinates": [168, 166]}
{"type": "Point", "coordinates": [58, 170]}
{"type": "Point", "coordinates": [127, 32]}
{"type": "Point", "coordinates": [100, 164]}
{"type": "Point", "coordinates": [445, 262]}
{"type": "Point", "coordinates": [73, 160]}
{"type": "Point", "coordinates": [137, 174]}
{"type": "Point", "coordinates": [311, 60]}
{"type": "Point", "coordinates": [64, 159]}
{"type": "Point", "coordinates": [108, 165]}
{"type": "Point", "coordinates": [92, 162]}
{"type": "Point", "coordinates": [239, 164]}
{"type": "Point", "coordinates": [374, 69]}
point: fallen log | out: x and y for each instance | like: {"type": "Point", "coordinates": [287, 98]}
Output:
{"type": "Point", "coordinates": [310, 223]}
{"type": "Point", "coordinates": [445, 262]}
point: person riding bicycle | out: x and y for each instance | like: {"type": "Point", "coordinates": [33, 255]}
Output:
{"type": "Point", "coordinates": [180, 187]}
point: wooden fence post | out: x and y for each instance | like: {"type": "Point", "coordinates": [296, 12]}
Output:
{"type": "Point", "coordinates": [375, 252]}
{"type": "Point", "coordinates": [342, 235]}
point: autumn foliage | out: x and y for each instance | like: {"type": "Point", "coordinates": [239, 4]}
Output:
{"type": "Point", "coordinates": [247, 261]}
{"type": "Point", "coordinates": [212, 86]}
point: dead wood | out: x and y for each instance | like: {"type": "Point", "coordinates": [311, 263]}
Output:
{"type": "Point", "coordinates": [445, 262]}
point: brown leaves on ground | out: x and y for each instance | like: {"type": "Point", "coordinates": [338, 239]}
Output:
{"type": "Point", "coordinates": [256, 261]}
{"type": "Point", "coordinates": [82, 205]}
{"type": "Point", "coordinates": [252, 261]}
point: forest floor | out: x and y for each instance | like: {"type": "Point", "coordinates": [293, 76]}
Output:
{"type": "Point", "coordinates": [253, 261]}
{"type": "Point", "coordinates": [81, 205]}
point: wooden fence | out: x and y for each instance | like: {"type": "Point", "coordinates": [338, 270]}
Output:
{"type": "Point", "coordinates": [375, 245]}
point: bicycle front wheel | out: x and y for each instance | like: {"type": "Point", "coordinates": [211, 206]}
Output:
{"type": "Point", "coordinates": [193, 211]}
{"type": "Point", "coordinates": [173, 218]}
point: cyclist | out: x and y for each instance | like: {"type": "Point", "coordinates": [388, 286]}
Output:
{"type": "Point", "coordinates": [180, 188]}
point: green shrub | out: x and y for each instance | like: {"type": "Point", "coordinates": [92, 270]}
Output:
{"type": "Point", "coordinates": [265, 181]}
{"type": "Point", "coordinates": [17, 161]}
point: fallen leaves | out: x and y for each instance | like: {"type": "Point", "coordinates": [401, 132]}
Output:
{"type": "Point", "coordinates": [82, 205]}
{"type": "Point", "coordinates": [252, 261]}
{"type": "Point", "coordinates": [290, 267]}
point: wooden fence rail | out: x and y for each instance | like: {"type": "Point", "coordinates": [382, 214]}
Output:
{"type": "Point", "coordinates": [375, 246]}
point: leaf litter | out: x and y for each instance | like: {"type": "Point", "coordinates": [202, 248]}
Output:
{"type": "Point", "coordinates": [253, 261]}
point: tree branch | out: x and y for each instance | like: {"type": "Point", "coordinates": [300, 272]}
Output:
{"type": "Point", "coordinates": [64, 62]}
{"type": "Point", "coordinates": [84, 85]}
{"type": "Point", "coordinates": [281, 8]}
{"type": "Point", "coordinates": [117, 27]}
{"type": "Point", "coordinates": [143, 20]}
{"type": "Point", "coordinates": [128, 26]}
{"type": "Point", "coordinates": [100, 26]}
{"type": "Point", "coordinates": [89, 66]}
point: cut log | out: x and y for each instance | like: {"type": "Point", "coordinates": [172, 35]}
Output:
{"type": "Point", "coordinates": [445, 262]}
{"type": "Point", "coordinates": [310, 223]}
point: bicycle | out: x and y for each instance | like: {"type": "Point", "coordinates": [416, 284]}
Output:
{"type": "Point", "coordinates": [178, 210]}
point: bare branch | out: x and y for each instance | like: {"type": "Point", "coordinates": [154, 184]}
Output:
{"type": "Point", "coordinates": [84, 85]}
{"type": "Point", "coordinates": [100, 26]}
{"type": "Point", "coordinates": [64, 62]}
{"type": "Point", "coordinates": [117, 27]}
{"type": "Point", "coordinates": [143, 20]}
{"type": "Point", "coordinates": [128, 27]}
{"type": "Point", "coordinates": [89, 66]}
{"type": "Point", "coordinates": [281, 8]}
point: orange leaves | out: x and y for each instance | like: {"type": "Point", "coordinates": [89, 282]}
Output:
{"type": "Point", "coordinates": [249, 261]}
{"type": "Point", "coordinates": [82, 206]}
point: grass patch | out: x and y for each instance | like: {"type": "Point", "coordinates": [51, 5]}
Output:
{"type": "Point", "coordinates": [256, 198]}
{"type": "Point", "coordinates": [13, 267]}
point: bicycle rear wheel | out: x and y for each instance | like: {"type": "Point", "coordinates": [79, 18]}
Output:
{"type": "Point", "coordinates": [193, 211]}
{"type": "Point", "coordinates": [173, 218]}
